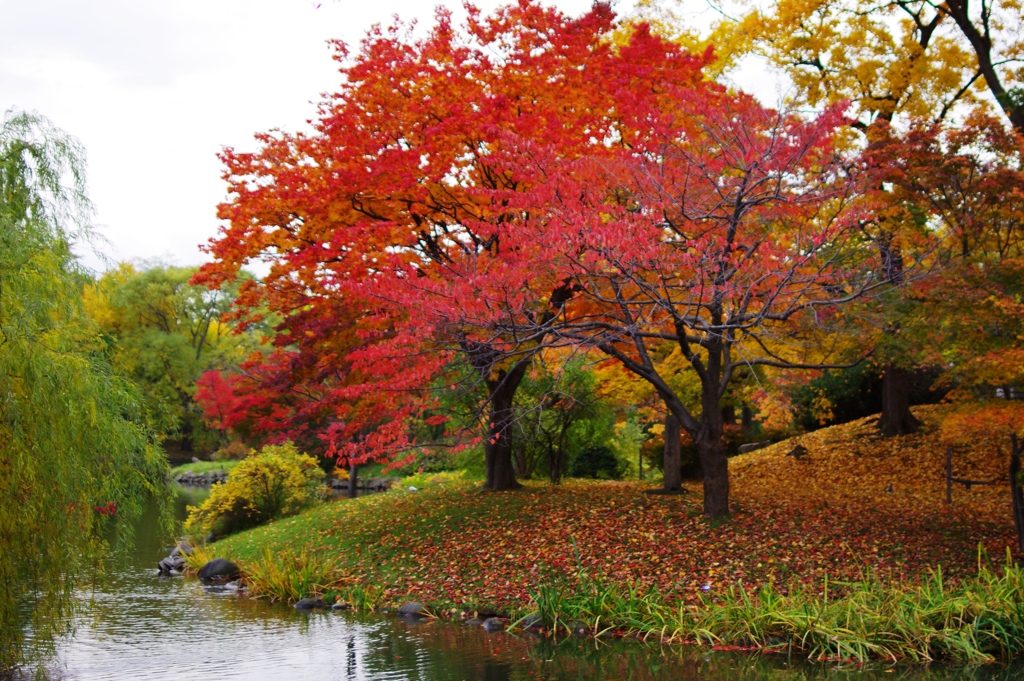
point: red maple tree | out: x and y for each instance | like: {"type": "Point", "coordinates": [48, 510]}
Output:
{"type": "Point", "coordinates": [472, 197]}
{"type": "Point", "coordinates": [391, 215]}
{"type": "Point", "coordinates": [719, 227]}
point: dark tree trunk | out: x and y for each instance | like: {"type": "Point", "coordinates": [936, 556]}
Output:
{"type": "Point", "coordinates": [896, 418]}
{"type": "Point", "coordinates": [500, 473]}
{"type": "Point", "coordinates": [714, 460]}
{"type": "Point", "coordinates": [556, 464]}
{"type": "Point", "coordinates": [353, 478]}
{"type": "Point", "coordinates": [501, 389]}
{"type": "Point", "coordinates": [729, 414]}
{"type": "Point", "coordinates": [519, 459]}
{"type": "Point", "coordinates": [185, 443]}
{"type": "Point", "coordinates": [673, 457]}
{"type": "Point", "coordinates": [747, 419]}
{"type": "Point", "coordinates": [1017, 495]}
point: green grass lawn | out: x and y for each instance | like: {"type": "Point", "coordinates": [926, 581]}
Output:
{"type": "Point", "coordinates": [202, 467]}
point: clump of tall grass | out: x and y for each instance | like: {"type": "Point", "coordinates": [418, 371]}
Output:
{"type": "Point", "coordinates": [361, 597]}
{"type": "Point", "coordinates": [288, 576]}
{"type": "Point", "coordinates": [977, 619]}
{"type": "Point", "coordinates": [196, 559]}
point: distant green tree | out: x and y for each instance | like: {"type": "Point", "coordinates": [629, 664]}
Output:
{"type": "Point", "coordinates": [76, 452]}
{"type": "Point", "coordinates": [164, 333]}
{"type": "Point", "coordinates": [558, 414]}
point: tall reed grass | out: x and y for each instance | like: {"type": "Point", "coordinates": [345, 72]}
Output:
{"type": "Point", "coordinates": [287, 575]}
{"type": "Point", "coordinates": [198, 557]}
{"type": "Point", "coordinates": [973, 620]}
{"type": "Point", "coordinates": [362, 597]}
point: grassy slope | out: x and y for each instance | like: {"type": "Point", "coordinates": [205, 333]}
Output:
{"type": "Point", "coordinates": [828, 513]}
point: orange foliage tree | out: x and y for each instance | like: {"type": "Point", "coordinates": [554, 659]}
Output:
{"type": "Point", "coordinates": [967, 183]}
{"type": "Point", "coordinates": [384, 228]}
{"type": "Point", "coordinates": [470, 198]}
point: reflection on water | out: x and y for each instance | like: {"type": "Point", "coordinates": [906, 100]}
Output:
{"type": "Point", "coordinates": [140, 626]}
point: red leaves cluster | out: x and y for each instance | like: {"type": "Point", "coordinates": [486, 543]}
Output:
{"type": "Point", "coordinates": [107, 509]}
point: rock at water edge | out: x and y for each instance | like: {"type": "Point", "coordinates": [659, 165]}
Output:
{"type": "Point", "coordinates": [493, 624]}
{"type": "Point", "coordinates": [219, 569]}
{"type": "Point", "coordinates": [412, 609]}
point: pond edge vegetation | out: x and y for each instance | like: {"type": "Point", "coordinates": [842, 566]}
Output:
{"type": "Point", "coordinates": [974, 619]}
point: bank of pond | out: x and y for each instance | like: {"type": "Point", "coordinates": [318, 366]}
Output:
{"type": "Point", "coordinates": [138, 625]}
{"type": "Point", "coordinates": [970, 620]}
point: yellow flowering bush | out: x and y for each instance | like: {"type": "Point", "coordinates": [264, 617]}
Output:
{"type": "Point", "coordinates": [274, 482]}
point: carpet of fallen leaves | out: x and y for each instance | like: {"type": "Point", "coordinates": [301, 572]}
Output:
{"type": "Point", "coordinates": [855, 503]}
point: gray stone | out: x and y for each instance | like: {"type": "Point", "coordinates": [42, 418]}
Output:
{"type": "Point", "coordinates": [309, 603]}
{"type": "Point", "coordinates": [202, 479]}
{"type": "Point", "coordinates": [379, 484]}
{"type": "Point", "coordinates": [219, 569]}
{"type": "Point", "coordinates": [181, 549]}
{"type": "Point", "coordinates": [171, 563]}
{"type": "Point", "coordinates": [412, 609]}
{"type": "Point", "coordinates": [531, 622]}
{"type": "Point", "coordinates": [798, 452]}
{"type": "Point", "coordinates": [493, 624]}
{"type": "Point", "coordinates": [341, 606]}
{"type": "Point", "coordinates": [751, 446]}
{"type": "Point", "coordinates": [474, 622]}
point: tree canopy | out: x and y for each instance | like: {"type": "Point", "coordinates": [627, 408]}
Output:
{"type": "Point", "coordinates": [163, 333]}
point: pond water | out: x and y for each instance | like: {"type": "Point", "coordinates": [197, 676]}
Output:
{"type": "Point", "coordinates": [140, 626]}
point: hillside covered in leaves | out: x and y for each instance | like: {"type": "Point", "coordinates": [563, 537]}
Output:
{"type": "Point", "coordinates": [829, 511]}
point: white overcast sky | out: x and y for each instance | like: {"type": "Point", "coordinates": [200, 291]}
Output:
{"type": "Point", "coordinates": [155, 88]}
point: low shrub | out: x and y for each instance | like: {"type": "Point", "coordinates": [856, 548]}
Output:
{"type": "Point", "coordinates": [233, 451]}
{"type": "Point", "coordinates": [596, 462]}
{"type": "Point", "coordinates": [275, 482]}
{"type": "Point", "coordinates": [362, 597]}
{"type": "Point", "coordinates": [424, 479]}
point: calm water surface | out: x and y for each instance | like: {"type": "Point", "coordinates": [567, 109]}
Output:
{"type": "Point", "coordinates": [140, 626]}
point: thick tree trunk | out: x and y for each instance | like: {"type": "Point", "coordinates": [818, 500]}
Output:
{"type": "Point", "coordinates": [353, 479]}
{"type": "Point", "coordinates": [500, 474]}
{"type": "Point", "coordinates": [715, 462]}
{"type": "Point", "coordinates": [896, 418]}
{"type": "Point", "coordinates": [673, 458]}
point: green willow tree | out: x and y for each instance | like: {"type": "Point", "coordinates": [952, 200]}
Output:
{"type": "Point", "coordinates": [76, 452]}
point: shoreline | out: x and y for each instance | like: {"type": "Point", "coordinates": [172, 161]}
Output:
{"type": "Point", "coordinates": [868, 519]}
